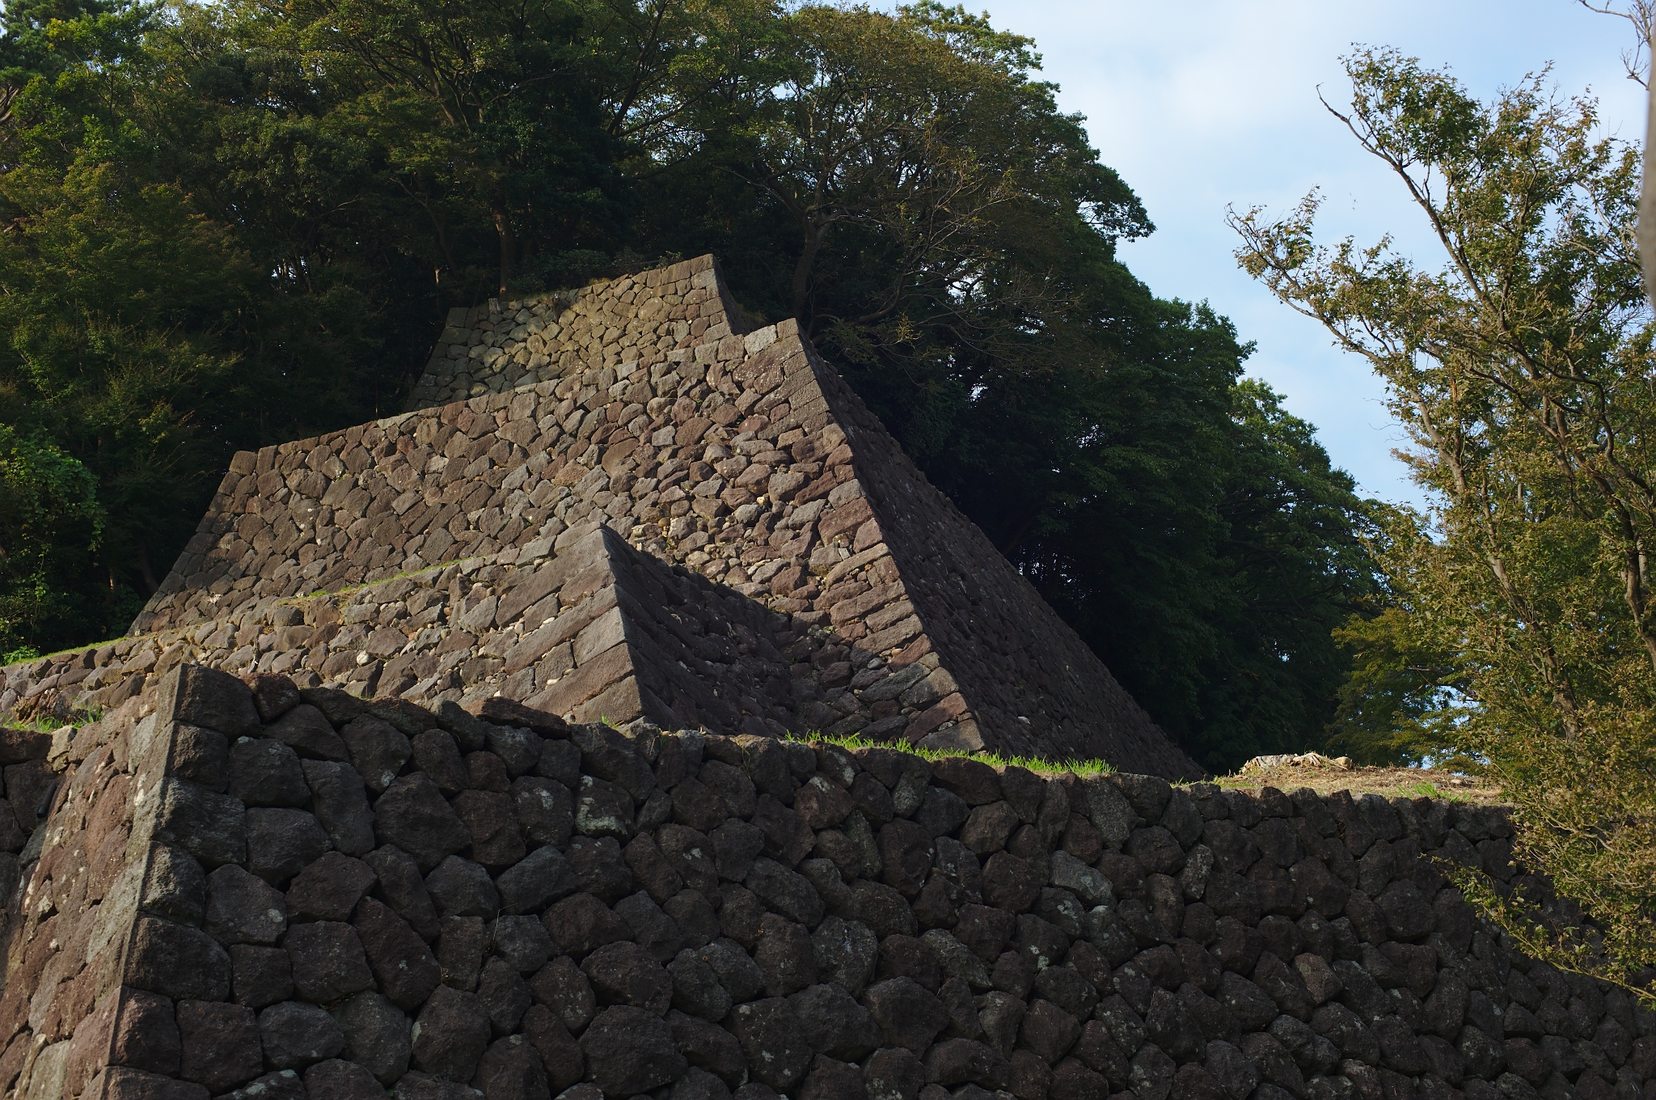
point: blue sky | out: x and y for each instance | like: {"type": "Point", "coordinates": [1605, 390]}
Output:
{"type": "Point", "coordinates": [1203, 103]}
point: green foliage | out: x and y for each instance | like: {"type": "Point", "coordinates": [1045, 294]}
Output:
{"type": "Point", "coordinates": [1086, 769]}
{"type": "Point", "coordinates": [50, 521]}
{"type": "Point", "coordinates": [486, 114]}
{"type": "Point", "coordinates": [1523, 630]}
{"type": "Point", "coordinates": [241, 223]}
{"type": "Point", "coordinates": [1404, 698]}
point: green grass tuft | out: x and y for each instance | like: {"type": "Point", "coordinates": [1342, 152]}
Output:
{"type": "Point", "coordinates": [1427, 789]}
{"type": "Point", "coordinates": [1087, 769]}
{"type": "Point", "coordinates": [48, 723]}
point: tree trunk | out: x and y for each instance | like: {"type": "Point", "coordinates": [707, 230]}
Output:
{"type": "Point", "coordinates": [803, 271]}
{"type": "Point", "coordinates": [508, 249]}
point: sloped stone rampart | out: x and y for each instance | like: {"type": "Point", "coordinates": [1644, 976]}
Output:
{"type": "Point", "coordinates": [729, 459]}
{"type": "Point", "coordinates": [757, 493]}
{"type": "Point", "coordinates": [594, 631]}
{"type": "Point", "coordinates": [429, 903]}
{"type": "Point", "coordinates": [638, 318]}
{"type": "Point", "coordinates": [992, 630]}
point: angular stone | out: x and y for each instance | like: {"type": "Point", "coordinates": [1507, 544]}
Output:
{"type": "Point", "coordinates": [260, 976]}
{"type": "Point", "coordinates": [908, 1015]}
{"type": "Point", "coordinates": [1087, 883]}
{"type": "Point", "coordinates": [127, 1083]}
{"type": "Point", "coordinates": [511, 1069]}
{"type": "Point", "coordinates": [274, 696]}
{"type": "Point", "coordinates": [175, 885]}
{"type": "Point", "coordinates": [710, 1047]}
{"type": "Point", "coordinates": [545, 809]}
{"type": "Point", "coordinates": [208, 825]}
{"type": "Point", "coordinates": [329, 888]}
{"type": "Point", "coordinates": [377, 749]}
{"type": "Point", "coordinates": [200, 755]}
{"type": "Point", "coordinates": [284, 1084]}
{"type": "Point", "coordinates": [460, 950]}
{"type": "Point", "coordinates": [560, 1054]}
{"type": "Point", "coordinates": [523, 942]}
{"type": "Point", "coordinates": [265, 772]}
{"type": "Point", "coordinates": [536, 881]}
{"type": "Point", "coordinates": [414, 815]}
{"type": "Point", "coordinates": [146, 1034]}
{"type": "Point", "coordinates": [845, 953]}
{"type": "Point", "coordinates": [217, 700]}
{"type": "Point", "coordinates": [438, 757]}
{"type": "Point", "coordinates": [341, 805]}
{"type": "Point", "coordinates": [403, 887]}
{"type": "Point", "coordinates": [966, 1062]}
{"type": "Point", "coordinates": [307, 731]}
{"type": "Point", "coordinates": [339, 1080]}
{"type": "Point", "coordinates": [1011, 883]}
{"type": "Point", "coordinates": [504, 994]}
{"type": "Point", "coordinates": [491, 819]}
{"type": "Point", "coordinates": [178, 961]}
{"type": "Point", "coordinates": [461, 888]}
{"type": "Point", "coordinates": [630, 1050]}
{"type": "Point", "coordinates": [220, 1044]}
{"type": "Point", "coordinates": [784, 955]}
{"type": "Point", "coordinates": [242, 908]}
{"type": "Point", "coordinates": [281, 842]}
{"type": "Point", "coordinates": [894, 1073]}
{"type": "Point", "coordinates": [504, 712]}
{"type": "Point", "coordinates": [834, 1023]}
{"type": "Point", "coordinates": [625, 973]}
{"type": "Point", "coordinates": [294, 1035]}
{"type": "Point", "coordinates": [328, 961]}
{"type": "Point", "coordinates": [402, 963]}
{"type": "Point", "coordinates": [770, 1033]}
{"type": "Point", "coordinates": [451, 1034]}
{"type": "Point", "coordinates": [376, 1036]}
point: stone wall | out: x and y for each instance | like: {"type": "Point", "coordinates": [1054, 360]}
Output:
{"type": "Point", "coordinates": [597, 630]}
{"type": "Point", "coordinates": [638, 318]}
{"type": "Point", "coordinates": [27, 926]}
{"type": "Point", "coordinates": [380, 897]}
{"type": "Point", "coordinates": [731, 459]}
{"type": "Point", "coordinates": [992, 630]}
{"type": "Point", "coordinates": [95, 892]}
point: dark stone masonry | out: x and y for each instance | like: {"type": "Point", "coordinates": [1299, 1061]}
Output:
{"type": "Point", "coordinates": [447, 764]}
{"type": "Point", "coordinates": [255, 890]}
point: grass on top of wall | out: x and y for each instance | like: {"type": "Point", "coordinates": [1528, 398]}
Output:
{"type": "Point", "coordinates": [852, 742]}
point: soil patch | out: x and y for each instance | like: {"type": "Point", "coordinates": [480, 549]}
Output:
{"type": "Point", "coordinates": [1389, 782]}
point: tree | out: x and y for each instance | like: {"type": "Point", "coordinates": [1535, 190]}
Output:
{"type": "Point", "coordinates": [489, 114]}
{"type": "Point", "coordinates": [114, 297]}
{"type": "Point", "coordinates": [1522, 370]}
{"type": "Point", "coordinates": [925, 136]}
{"type": "Point", "coordinates": [49, 522]}
{"type": "Point", "coordinates": [240, 223]}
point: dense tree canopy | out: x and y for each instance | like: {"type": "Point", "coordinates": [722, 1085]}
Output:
{"type": "Point", "coordinates": [1522, 368]}
{"type": "Point", "coordinates": [235, 223]}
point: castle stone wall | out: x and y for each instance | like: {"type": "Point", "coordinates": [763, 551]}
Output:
{"type": "Point", "coordinates": [596, 631]}
{"type": "Point", "coordinates": [992, 630]}
{"type": "Point", "coordinates": [729, 460]}
{"type": "Point", "coordinates": [384, 898]}
{"type": "Point", "coordinates": [639, 318]}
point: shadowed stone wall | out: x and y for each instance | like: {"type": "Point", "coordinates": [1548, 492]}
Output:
{"type": "Point", "coordinates": [341, 899]}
